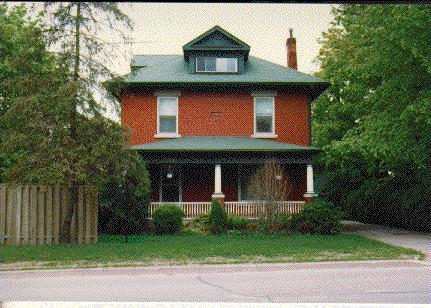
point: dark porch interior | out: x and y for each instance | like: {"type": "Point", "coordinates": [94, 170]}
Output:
{"type": "Point", "coordinates": [195, 182]}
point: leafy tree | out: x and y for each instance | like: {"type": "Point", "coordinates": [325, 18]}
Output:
{"type": "Point", "coordinates": [59, 131]}
{"type": "Point", "coordinates": [373, 123]}
{"type": "Point", "coordinates": [75, 26]}
{"type": "Point", "coordinates": [24, 62]}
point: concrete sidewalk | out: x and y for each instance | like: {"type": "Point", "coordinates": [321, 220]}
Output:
{"type": "Point", "coordinates": [399, 237]}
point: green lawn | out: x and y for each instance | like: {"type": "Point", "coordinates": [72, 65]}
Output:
{"type": "Point", "coordinates": [157, 250]}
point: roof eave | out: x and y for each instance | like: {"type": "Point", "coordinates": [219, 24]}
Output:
{"type": "Point", "coordinates": [308, 150]}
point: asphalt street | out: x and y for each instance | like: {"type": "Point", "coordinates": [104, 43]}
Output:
{"type": "Point", "coordinates": [401, 282]}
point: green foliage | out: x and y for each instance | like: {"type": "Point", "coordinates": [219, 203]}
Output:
{"type": "Point", "coordinates": [52, 129]}
{"type": "Point", "coordinates": [283, 222]}
{"type": "Point", "coordinates": [168, 219]}
{"type": "Point", "coordinates": [36, 95]}
{"type": "Point", "coordinates": [26, 66]}
{"type": "Point", "coordinates": [201, 222]}
{"type": "Point", "coordinates": [77, 28]}
{"type": "Point", "coordinates": [128, 200]}
{"type": "Point", "coordinates": [399, 201]}
{"type": "Point", "coordinates": [317, 217]}
{"type": "Point", "coordinates": [373, 122]}
{"type": "Point", "coordinates": [237, 222]}
{"type": "Point", "coordinates": [218, 222]}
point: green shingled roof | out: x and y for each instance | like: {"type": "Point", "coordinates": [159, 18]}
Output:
{"type": "Point", "coordinates": [221, 144]}
{"type": "Point", "coordinates": [157, 69]}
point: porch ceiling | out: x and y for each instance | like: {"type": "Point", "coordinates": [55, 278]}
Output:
{"type": "Point", "coordinates": [222, 144]}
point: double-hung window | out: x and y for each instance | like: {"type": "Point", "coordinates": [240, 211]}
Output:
{"type": "Point", "coordinates": [216, 65]}
{"type": "Point", "coordinates": [264, 116]}
{"type": "Point", "coordinates": [167, 113]}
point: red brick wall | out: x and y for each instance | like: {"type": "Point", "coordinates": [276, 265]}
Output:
{"type": "Point", "coordinates": [216, 114]}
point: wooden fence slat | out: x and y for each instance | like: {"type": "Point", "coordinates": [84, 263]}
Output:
{"type": "Point", "coordinates": [56, 215]}
{"type": "Point", "coordinates": [48, 216]}
{"type": "Point", "coordinates": [25, 213]}
{"type": "Point", "coordinates": [80, 217]}
{"type": "Point", "coordinates": [33, 214]}
{"type": "Point", "coordinates": [9, 215]}
{"type": "Point", "coordinates": [94, 220]}
{"type": "Point", "coordinates": [87, 238]}
{"type": "Point", "coordinates": [17, 207]}
{"type": "Point", "coordinates": [2, 213]}
{"type": "Point", "coordinates": [41, 215]}
{"type": "Point", "coordinates": [73, 231]}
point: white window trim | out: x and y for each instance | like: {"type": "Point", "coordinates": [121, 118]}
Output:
{"type": "Point", "coordinates": [264, 135]}
{"type": "Point", "coordinates": [167, 135]}
{"type": "Point", "coordinates": [196, 65]}
{"type": "Point", "coordinates": [264, 93]}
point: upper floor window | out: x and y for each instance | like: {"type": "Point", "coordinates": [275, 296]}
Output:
{"type": "Point", "coordinates": [167, 115]}
{"type": "Point", "coordinates": [264, 115]}
{"type": "Point", "coordinates": [218, 65]}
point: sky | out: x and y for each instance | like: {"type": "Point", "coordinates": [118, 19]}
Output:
{"type": "Point", "coordinates": [166, 27]}
{"type": "Point", "coordinates": [163, 28]}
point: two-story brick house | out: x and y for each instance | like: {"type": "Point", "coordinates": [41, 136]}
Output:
{"type": "Point", "coordinates": [204, 120]}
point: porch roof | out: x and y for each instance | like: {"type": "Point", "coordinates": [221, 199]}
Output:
{"type": "Point", "coordinates": [221, 144]}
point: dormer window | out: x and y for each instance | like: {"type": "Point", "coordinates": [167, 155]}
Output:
{"type": "Point", "coordinates": [216, 65]}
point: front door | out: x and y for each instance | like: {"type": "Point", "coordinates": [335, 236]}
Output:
{"type": "Point", "coordinates": [170, 188]}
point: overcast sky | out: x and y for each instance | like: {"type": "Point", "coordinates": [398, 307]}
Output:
{"type": "Point", "coordinates": [166, 27]}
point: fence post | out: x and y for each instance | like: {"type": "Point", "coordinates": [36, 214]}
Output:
{"type": "Point", "coordinates": [25, 211]}
{"type": "Point", "coordinates": [48, 215]}
{"type": "Point", "coordinates": [9, 215]}
{"type": "Point", "coordinates": [87, 199]}
{"type": "Point", "coordinates": [33, 214]}
{"type": "Point", "coordinates": [56, 214]}
{"type": "Point", "coordinates": [41, 215]}
{"type": "Point", "coordinates": [2, 213]}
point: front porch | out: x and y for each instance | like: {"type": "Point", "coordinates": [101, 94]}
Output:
{"type": "Point", "coordinates": [191, 171]}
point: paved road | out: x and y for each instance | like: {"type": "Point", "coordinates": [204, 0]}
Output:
{"type": "Point", "coordinates": [342, 282]}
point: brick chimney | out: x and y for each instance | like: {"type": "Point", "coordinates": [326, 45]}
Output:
{"type": "Point", "coordinates": [291, 51]}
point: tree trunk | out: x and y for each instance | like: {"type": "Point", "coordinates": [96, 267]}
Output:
{"type": "Point", "coordinates": [65, 231]}
{"type": "Point", "coordinates": [65, 236]}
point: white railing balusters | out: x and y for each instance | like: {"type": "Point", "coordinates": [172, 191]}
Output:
{"type": "Point", "coordinates": [248, 209]}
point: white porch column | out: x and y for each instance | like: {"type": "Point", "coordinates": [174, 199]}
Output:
{"type": "Point", "coordinates": [310, 183]}
{"type": "Point", "coordinates": [217, 183]}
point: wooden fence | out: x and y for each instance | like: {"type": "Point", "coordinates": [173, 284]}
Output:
{"type": "Point", "coordinates": [33, 215]}
{"type": "Point", "coordinates": [248, 209]}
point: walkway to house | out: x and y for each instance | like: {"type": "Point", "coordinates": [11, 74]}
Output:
{"type": "Point", "coordinates": [400, 237]}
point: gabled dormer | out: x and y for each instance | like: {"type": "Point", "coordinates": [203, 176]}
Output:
{"type": "Point", "coordinates": [216, 52]}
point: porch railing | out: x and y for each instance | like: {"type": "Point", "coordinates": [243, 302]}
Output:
{"type": "Point", "coordinates": [248, 209]}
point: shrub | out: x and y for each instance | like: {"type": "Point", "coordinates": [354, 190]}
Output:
{"type": "Point", "coordinates": [399, 201]}
{"type": "Point", "coordinates": [168, 219]}
{"type": "Point", "coordinates": [317, 217]}
{"type": "Point", "coordinates": [125, 202]}
{"type": "Point", "coordinates": [283, 222]}
{"type": "Point", "coordinates": [201, 222]}
{"type": "Point", "coordinates": [217, 218]}
{"type": "Point", "coordinates": [237, 222]}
